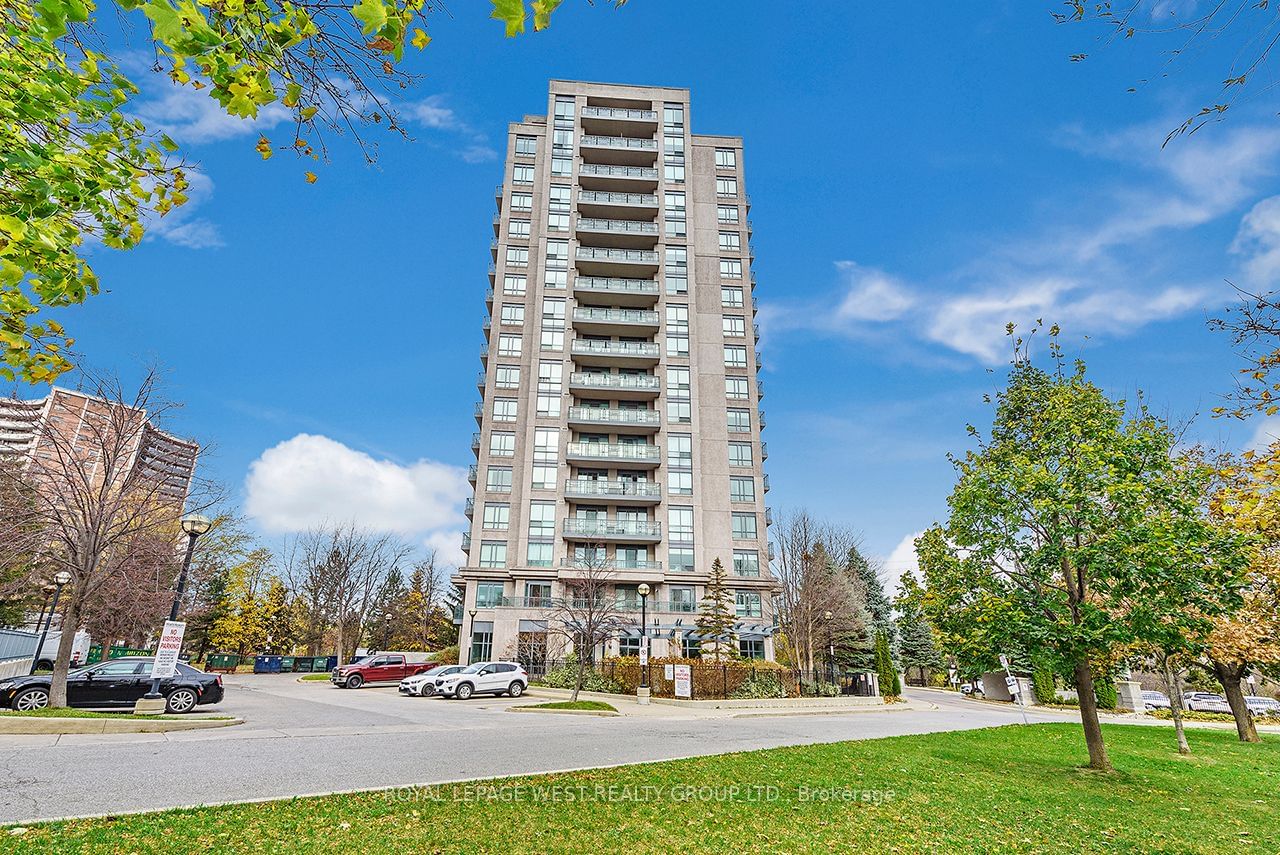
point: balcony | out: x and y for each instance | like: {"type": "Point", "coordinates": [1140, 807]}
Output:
{"type": "Point", "coordinates": [609, 529]}
{"type": "Point", "coordinates": [475, 442]}
{"type": "Point", "coordinates": [601, 203]}
{"type": "Point", "coordinates": [620, 233]}
{"type": "Point", "coordinates": [479, 411]}
{"type": "Point", "coordinates": [466, 541]}
{"type": "Point", "coordinates": [619, 492]}
{"type": "Point", "coordinates": [768, 516]}
{"type": "Point", "coordinates": [481, 378]}
{"type": "Point", "coordinates": [620, 387]}
{"type": "Point", "coordinates": [764, 451]}
{"type": "Point", "coordinates": [616, 290]}
{"type": "Point", "coordinates": [761, 419]}
{"type": "Point", "coordinates": [484, 352]}
{"type": "Point", "coordinates": [618, 151]}
{"type": "Point", "coordinates": [600, 176]}
{"type": "Point", "coordinates": [470, 508]}
{"type": "Point", "coordinates": [601, 321]}
{"type": "Point", "coordinates": [624, 120]}
{"type": "Point", "coordinates": [472, 471]}
{"type": "Point", "coordinates": [684, 607]}
{"type": "Point", "coordinates": [620, 421]}
{"type": "Point", "coordinates": [766, 483]}
{"type": "Point", "coordinates": [641, 263]}
{"type": "Point", "coordinates": [614, 353]}
{"type": "Point", "coordinates": [626, 455]}
{"type": "Point", "coordinates": [772, 556]}
{"type": "Point", "coordinates": [759, 388]}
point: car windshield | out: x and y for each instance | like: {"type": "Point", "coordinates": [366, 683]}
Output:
{"type": "Point", "coordinates": [438, 671]}
{"type": "Point", "coordinates": [474, 669]}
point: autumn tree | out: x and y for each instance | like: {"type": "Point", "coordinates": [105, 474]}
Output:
{"type": "Point", "coordinates": [587, 614]}
{"type": "Point", "coordinates": [427, 624]}
{"type": "Point", "coordinates": [81, 169]}
{"type": "Point", "coordinates": [1074, 529]}
{"type": "Point", "coordinates": [242, 627]}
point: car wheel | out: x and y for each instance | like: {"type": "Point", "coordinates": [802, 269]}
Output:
{"type": "Point", "coordinates": [426, 691]}
{"type": "Point", "coordinates": [44, 665]}
{"type": "Point", "coordinates": [355, 681]}
{"type": "Point", "coordinates": [31, 699]}
{"type": "Point", "coordinates": [463, 692]}
{"type": "Point", "coordinates": [180, 701]}
{"type": "Point", "coordinates": [516, 689]}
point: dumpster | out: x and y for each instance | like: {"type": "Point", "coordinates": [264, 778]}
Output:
{"type": "Point", "coordinates": [302, 664]}
{"type": "Point", "coordinates": [321, 663]}
{"type": "Point", "coordinates": [330, 662]}
{"type": "Point", "coordinates": [221, 662]}
{"type": "Point", "coordinates": [266, 664]}
{"type": "Point", "coordinates": [286, 664]}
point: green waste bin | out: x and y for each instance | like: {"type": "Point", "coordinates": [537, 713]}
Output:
{"type": "Point", "coordinates": [286, 663]}
{"type": "Point", "coordinates": [222, 662]}
{"type": "Point", "coordinates": [320, 663]}
{"type": "Point", "coordinates": [302, 664]}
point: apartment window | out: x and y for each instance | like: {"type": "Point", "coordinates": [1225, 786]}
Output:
{"type": "Point", "coordinates": [557, 255]}
{"type": "Point", "coordinates": [678, 345]}
{"type": "Point", "coordinates": [680, 451]}
{"type": "Point", "coordinates": [549, 405]}
{"type": "Point", "coordinates": [690, 648]}
{"type": "Point", "coordinates": [507, 377]}
{"type": "Point", "coordinates": [497, 479]}
{"type": "Point", "coordinates": [673, 148]}
{"type": "Point", "coordinates": [680, 559]}
{"type": "Point", "coordinates": [514, 285]}
{"type": "Point", "coordinates": [481, 641]}
{"type": "Point", "coordinates": [744, 526]}
{"type": "Point", "coordinates": [564, 112]}
{"type": "Point", "coordinates": [522, 201]}
{"type": "Point", "coordinates": [517, 256]}
{"type": "Point", "coordinates": [678, 383]}
{"type": "Point", "coordinates": [557, 222]}
{"type": "Point", "coordinates": [673, 173]}
{"type": "Point", "coordinates": [539, 554]}
{"type": "Point", "coordinates": [739, 421]}
{"type": "Point", "coordinates": [544, 477]}
{"type": "Point", "coordinates": [493, 553]}
{"type": "Point", "coordinates": [553, 313]}
{"type": "Point", "coordinates": [682, 598]}
{"type": "Point", "coordinates": [746, 562]}
{"type": "Point", "coordinates": [551, 340]}
{"type": "Point", "coordinates": [726, 158]}
{"type": "Point", "coordinates": [561, 166]}
{"type": "Point", "coordinates": [735, 356]}
{"type": "Point", "coordinates": [673, 115]}
{"type": "Point", "coordinates": [509, 345]}
{"type": "Point", "coordinates": [734, 325]}
{"type": "Point", "coordinates": [675, 214]}
{"type": "Point", "coordinates": [522, 173]}
{"type": "Point", "coordinates": [542, 519]}
{"type": "Point", "coordinates": [676, 269]}
{"type": "Point", "coordinates": [497, 516]}
{"type": "Point", "coordinates": [538, 593]}
{"type": "Point", "coordinates": [489, 594]}
{"type": "Point", "coordinates": [679, 412]}
{"type": "Point", "coordinates": [747, 603]}
{"type": "Point", "coordinates": [562, 142]}
{"type": "Point", "coordinates": [546, 445]}
{"type": "Point", "coordinates": [726, 213]}
{"type": "Point", "coordinates": [555, 279]}
{"type": "Point", "coordinates": [518, 229]}
{"type": "Point", "coordinates": [680, 483]}
{"type": "Point", "coordinates": [502, 445]}
{"type": "Point", "coordinates": [680, 524]}
{"type": "Point", "coordinates": [724, 186]}
{"type": "Point", "coordinates": [512, 313]}
{"type": "Point", "coordinates": [677, 330]}
{"type": "Point", "coordinates": [730, 241]}
{"type": "Point", "coordinates": [737, 387]}
{"type": "Point", "coordinates": [629, 645]}
{"type": "Point", "coordinates": [527, 145]}
{"type": "Point", "coordinates": [731, 268]}
{"type": "Point", "coordinates": [504, 409]}
{"type": "Point", "coordinates": [740, 454]}
{"type": "Point", "coordinates": [550, 376]}
{"type": "Point", "coordinates": [731, 297]}
{"type": "Point", "coordinates": [751, 648]}
{"type": "Point", "coordinates": [742, 489]}
{"type": "Point", "coordinates": [560, 198]}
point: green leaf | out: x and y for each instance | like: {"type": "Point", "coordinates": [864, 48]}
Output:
{"type": "Point", "coordinates": [372, 14]}
{"type": "Point", "coordinates": [511, 13]}
{"type": "Point", "coordinates": [420, 38]}
{"type": "Point", "coordinates": [542, 10]}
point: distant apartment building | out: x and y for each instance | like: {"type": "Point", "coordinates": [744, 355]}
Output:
{"type": "Point", "coordinates": [28, 429]}
{"type": "Point", "coordinates": [620, 419]}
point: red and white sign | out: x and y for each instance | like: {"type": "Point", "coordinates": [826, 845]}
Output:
{"type": "Point", "coordinates": [684, 681]}
{"type": "Point", "coordinates": [167, 649]}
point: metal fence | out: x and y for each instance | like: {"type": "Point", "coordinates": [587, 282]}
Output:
{"type": "Point", "coordinates": [712, 681]}
{"type": "Point", "coordinates": [16, 642]}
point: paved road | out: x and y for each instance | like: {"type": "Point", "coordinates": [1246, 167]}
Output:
{"type": "Point", "coordinates": [307, 738]}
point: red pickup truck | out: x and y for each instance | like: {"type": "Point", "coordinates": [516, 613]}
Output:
{"type": "Point", "coordinates": [377, 668]}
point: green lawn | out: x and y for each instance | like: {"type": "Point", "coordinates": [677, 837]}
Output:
{"type": "Point", "coordinates": [1011, 789]}
{"type": "Point", "coordinates": [72, 712]}
{"type": "Point", "coordinates": [594, 706]}
{"type": "Point", "coordinates": [314, 677]}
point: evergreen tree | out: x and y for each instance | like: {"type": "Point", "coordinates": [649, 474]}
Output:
{"type": "Point", "coordinates": [387, 617]}
{"type": "Point", "coordinates": [860, 646]}
{"type": "Point", "coordinates": [716, 620]}
{"type": "Point", "coordinates": [915, 636]}
{"type": "Point", "coordinates": [200, 623]}
{"type": "Point", "coordinates": [888, 675]}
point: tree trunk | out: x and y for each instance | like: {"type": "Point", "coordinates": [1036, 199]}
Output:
{"type": "Point", "coordinates": [1229, 674]}
{"type": "Point", "coordinates": [62, 662]}
{"type": "Point", "coordinates": [1174, 685]}
{"type": "Point", "coordinates": [1089, 717]}
{"type": "Point", "coordinates": [577, 685]}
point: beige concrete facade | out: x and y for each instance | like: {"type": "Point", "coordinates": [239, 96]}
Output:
{"type": "Point", "coordinates": [620, 409]}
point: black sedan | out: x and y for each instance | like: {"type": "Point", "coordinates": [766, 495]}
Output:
{"type": "Point", "coordinates": [115, 683]}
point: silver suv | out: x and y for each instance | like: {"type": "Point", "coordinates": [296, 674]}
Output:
{"type": "Point", "coordinates": [496, 678]}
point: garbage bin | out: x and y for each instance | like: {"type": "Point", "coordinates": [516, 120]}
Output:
{"type": "Point", "coordinates": [286, 664]}
{"type": "Point", "coordinates": [330, 662]}
{"type": "Point", "coordinates": [303, 664]}
{"type": "Point", "coordinates": [222, 662]}
{"type": "Point", "coordinates": [321, 663]}
{"type": "Point", "coordinates": [260, 665]}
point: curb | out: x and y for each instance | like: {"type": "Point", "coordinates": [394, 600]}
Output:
{"type": "Point", "coordinates": [600, 713]}
{"type": "Point", "coordinates": [816, 705]}
{"type": "Point", "coordinates": [28, 725]}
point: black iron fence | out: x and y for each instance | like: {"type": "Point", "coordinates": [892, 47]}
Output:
{"type": "Point", "coordinates": [708, 680]}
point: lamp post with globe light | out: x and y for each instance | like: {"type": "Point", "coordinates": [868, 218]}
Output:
{"type": "Point", "coordinates": [642, 693]}
{"type": "Point", "coordinates": [194, 525]}
{"type": "Point", "coordinates": [60, 580]}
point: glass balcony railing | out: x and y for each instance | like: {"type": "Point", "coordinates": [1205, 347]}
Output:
{"type": "Point", "coordinates": [611, 563]}
{"type": "Point", "coordinates": [630, 382]}
{"type": "Point", "coordinates": [619, 113]}
{"type": "Point", "coordinates": [617, 284]}
{"type": "Point", "coordinates": [470, 507]}
{"type": "Point", "coordinates": [624, 451]}
{"type": "Point", "coordinates": [607, 416]}
{"type": "Point", "coordinates": [654, 606]}
{"type": "Point", "coordinates": [639, 227]}
{"type": "Point", "coordinates": [587, 346]}
{"type": "Point", "coordinates": [606, 171]}
{"type": "Point", "coordinates": [472, 471]}
{"type": "Point", "coordinates": [466, 541]}
{"type": "Point", "coordinates": [633, 256]}
{"type": "Point", "coordinates": [637, 143]}
{"type": "Point", "coordinates": [605, 198]}
{"type": "Point", "coordinates": [615, 316]}
{"type": "Point", "coordinates": [612, 489]}
{"type": "Point", "coordinates": [606, 527]}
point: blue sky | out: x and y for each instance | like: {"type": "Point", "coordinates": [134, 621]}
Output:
{"type": "Point", "coordinates": [918, 180]}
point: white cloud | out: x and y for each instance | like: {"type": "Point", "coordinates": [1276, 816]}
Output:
{"type": "Point", "coordinates": [1259, 240]}
{"type": "Point", "coordinates": [901, 560]}
{"type": "Point", "coordinates": [310, 480]}
{"type": "Point", "coordinates": [872, 295]}
{"type": "Point", "coordinates": [1266, 432]}
{"type": "Point", "coordinates": [432, 113]}
{"type": "Point", "coordinates": [192, 117]}
{"type": "Point", "coordinates": [181, 226]}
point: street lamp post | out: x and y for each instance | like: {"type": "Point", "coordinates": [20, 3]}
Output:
{"type": "Point", "coordinates": [471, 637]}
{"type": "Point", "coordinates": [61, 578]}
{"type": "Point", "coordinates": [194, 525]}
{"type": "Point", "coordinates": [642, 693]}
{"type": "Point", "coordinates": [831, 650]}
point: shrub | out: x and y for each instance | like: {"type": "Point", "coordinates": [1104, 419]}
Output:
{"type": "Point", "coordinates": [566, 677]}
{"type": "Point", "coordinates": [760, 685]}
{"type": "Point", "coordinates": [447, 656]}
{"type": "Point", "coordinates": [1042, 682]}
{"type": "Point", "coordinates": [1104, 689]}
{"type": "Point", "coordinates": [821, 689]}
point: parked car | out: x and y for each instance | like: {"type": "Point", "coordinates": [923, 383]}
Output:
{"type": "Point", "coordinates": [378, 668]}
{"type": "Point", "coordinates": [497, 678]}
{"type": "Point", "coordinates": [1205, 702]}
{"type": "Point", "coordinates": [1259, 705]}
{"type": "Point", "coordinates": [116, 683]}
{"type": "Point", "coordinates": [424, 685]}
{"type": "Point", "coordinates": [1155, 700]}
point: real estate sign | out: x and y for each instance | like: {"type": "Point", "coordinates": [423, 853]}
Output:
{"type": "Point", "coordinates": [167, 649]}
{"type": "Point", "coordinates": [684, 681]}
